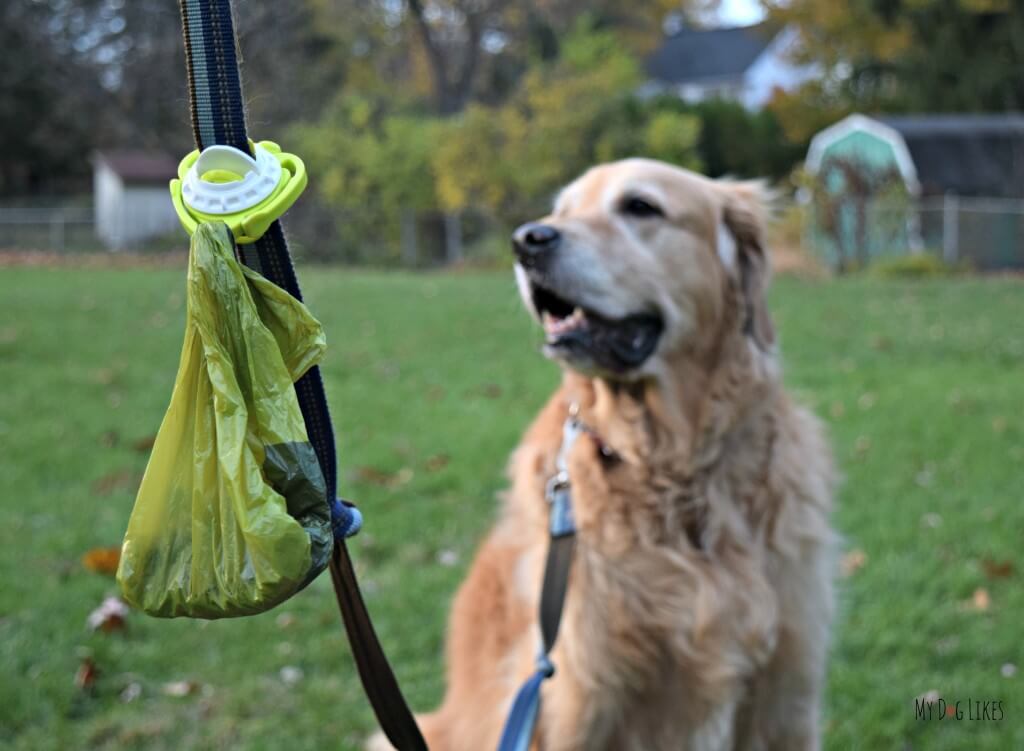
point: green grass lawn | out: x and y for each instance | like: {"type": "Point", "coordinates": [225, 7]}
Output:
{"type": "Point", "coordinates": [432, 378]}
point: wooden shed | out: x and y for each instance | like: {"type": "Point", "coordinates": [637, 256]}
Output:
{"type": "Point", "coordinates": [943, 182]}
{"type": "Point", "coordinates": [131, 200]}
{"type": "Point", "coordinates": [863, 181]}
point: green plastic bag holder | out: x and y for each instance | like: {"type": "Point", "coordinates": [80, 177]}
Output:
{"type": "Point", "coordinates": [232, 516]}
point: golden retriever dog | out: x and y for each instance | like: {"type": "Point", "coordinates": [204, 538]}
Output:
{"type": "Point", "coordinates": [700, 597]}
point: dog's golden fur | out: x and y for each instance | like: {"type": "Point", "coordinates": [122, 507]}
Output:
{"type": "Point", "coordinates": [700, 599]}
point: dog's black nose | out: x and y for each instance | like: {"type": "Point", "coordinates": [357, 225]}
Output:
{"type": "Point", "coordinates": [533, 242]}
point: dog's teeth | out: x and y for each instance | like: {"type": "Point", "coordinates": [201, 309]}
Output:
{"type": "Point", "coordinates": [577, 313]}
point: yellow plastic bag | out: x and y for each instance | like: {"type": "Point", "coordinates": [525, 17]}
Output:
{"type": "Point", "coordinates": [231, 517]}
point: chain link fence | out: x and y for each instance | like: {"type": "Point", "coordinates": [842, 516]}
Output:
{"type": "Point", "coordinates": [52, 229]}
{"type": "Point", "coordinates": [315, 231]}
{"type": "Point", "coordinates": [984, 234]}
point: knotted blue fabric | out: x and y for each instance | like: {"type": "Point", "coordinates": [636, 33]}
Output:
{"type": "Point", "coordinates": [346, 519]}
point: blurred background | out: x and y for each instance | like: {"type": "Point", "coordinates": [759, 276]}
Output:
{"type": "Point", "coordinates": [893, 133]}
{"type": "Point", "coordinates": [431, 128]}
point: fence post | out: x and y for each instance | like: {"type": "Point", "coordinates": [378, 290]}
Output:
{"type": "Point", "coordinates": [57, 231]}
{"type": "Point", "coordinates": [950, 227]}
{"type": "Point", "coordinates": [410, 249]}
{"type": "Point", "coordinates": [452, 237]}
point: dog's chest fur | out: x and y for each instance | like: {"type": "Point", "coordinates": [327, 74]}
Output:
{"type": "Point", "coordinates": [669, 611]}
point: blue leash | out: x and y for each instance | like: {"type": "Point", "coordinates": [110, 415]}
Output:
{"type": "Point", "coordinates": [522, 719]}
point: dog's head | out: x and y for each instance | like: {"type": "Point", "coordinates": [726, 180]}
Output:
{"type": "Point", "coordinates": [641, 260]}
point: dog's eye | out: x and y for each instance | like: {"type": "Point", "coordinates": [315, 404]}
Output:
{"type": "Point", "coordinates": [640, 207]}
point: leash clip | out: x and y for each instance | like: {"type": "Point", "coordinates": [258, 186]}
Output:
{"type": "Point", "coordinates": [560, 481]}
{"type": "Point", "coordinates": [248, 192]}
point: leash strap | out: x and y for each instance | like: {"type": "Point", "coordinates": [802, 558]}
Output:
{"type": "Point", "coordinates": [522, 718]}
{"type": "Point", "coordinates": [218, 117]}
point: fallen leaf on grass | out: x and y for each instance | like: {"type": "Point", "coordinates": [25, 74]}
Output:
{"type": "Point", "coordinates": [131, 692]}
{"type": "Point", "coordinates": [110, 438]}
{"type": "Point", "coordinates": [852, 562]}
{"type": "Point", "coordinates": [85, 676]}
{"type": "Point", "coordinates": [122, 479]}
{"type": "Point", "coordinates": [104, 376]}
{"type": "Point", "coordinates": [179, 688]}
{"type": "Point", "coordinates": [109, 616]}
{"type": "Point", "coordinates": [436, 462]}
{"type": "Point", "coordinates": [980, 601]}
{"type": "Point", "coordinates": [376, 476]}
{"type": "Point", "coordinates": [9, 335]}
{"type": "Point", "coordinates": [997, 569]}
{"type": "Point", "coordinates": [925, 477]}
{"type": "Point", "coordinates": [102, 560]}
{"type": "Point", "coordinates": [285, 620]}
{"type": "Point", "coordinates": [144, 444]}
{"type": "Point", "coordinates": [486, 390]}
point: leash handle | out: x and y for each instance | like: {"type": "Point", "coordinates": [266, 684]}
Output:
{"type": "Point", "coordinates": [218, 117]}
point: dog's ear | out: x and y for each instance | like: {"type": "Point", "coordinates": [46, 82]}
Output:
{"type": "Point", "coordinates": [744, 217]}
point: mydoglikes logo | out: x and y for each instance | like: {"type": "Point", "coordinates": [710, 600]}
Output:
{"type": "Point", "coordinates": [931, 706]}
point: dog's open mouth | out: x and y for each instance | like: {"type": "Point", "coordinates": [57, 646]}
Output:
{"type": "Point", "coordinates": [580, 334]}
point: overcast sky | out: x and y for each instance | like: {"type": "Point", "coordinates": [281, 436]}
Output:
{"type": "Point", "coordinates": [740, 12]}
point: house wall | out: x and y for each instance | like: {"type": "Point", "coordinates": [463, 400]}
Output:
{"type": "Point", "coordinates": [107, 198]}
{"type": "Point", "coordinates": [774, 69]}
{"type": "Point", "coordinates": [717, 88]}
{"type": "Point", "coordinates": [129, 214]}
{"type": "Point", "coordinates": [147, 212]}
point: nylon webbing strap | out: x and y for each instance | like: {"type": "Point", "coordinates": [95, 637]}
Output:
{"type": "Point", "coordinates": [218, 117]}
{"type": "Point", "coordinates": [521, 723]}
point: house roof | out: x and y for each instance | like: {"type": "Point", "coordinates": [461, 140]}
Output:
{"type": "Point", "coordinates": [692, 55]}
{"type": "Point", "coordinates": [136, 166]}
{"type": "Point", "coordinates": [966, 154]}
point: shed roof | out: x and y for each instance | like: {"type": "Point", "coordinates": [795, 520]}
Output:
{"type": "Point", "coordinates": [136, 166]}
{"type": "Point", "coordinates": [703, 54]}
{"type": "Point", "coordinates": [966, 154]}
{"type": "Point", "coordinates": [852, 134]}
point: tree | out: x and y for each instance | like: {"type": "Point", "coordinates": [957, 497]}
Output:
{"type": "Point", "coordinates": [565, 116]}
{"type": "Point", "coordinates": [371, 166]}
{"type": "Point", "coordinates": [918, 55]}
{"type": "Point", "coordinates": [51, 94]}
